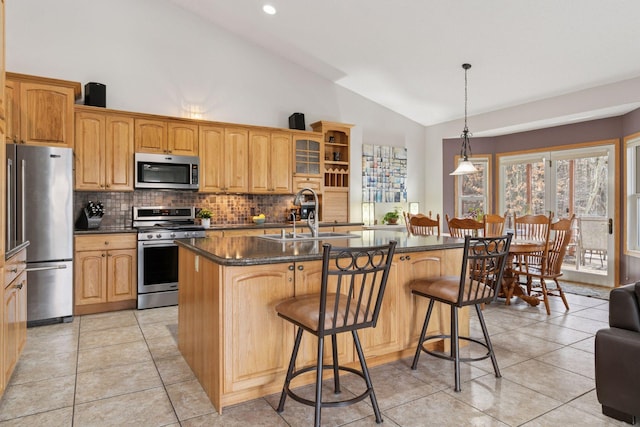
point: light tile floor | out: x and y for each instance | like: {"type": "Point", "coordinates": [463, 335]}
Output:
{"type": "Point", "coordinates": [124, 368]}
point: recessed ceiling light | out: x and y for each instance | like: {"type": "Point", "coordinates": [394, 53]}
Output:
{"type": "Point", "coordinates": [269, 9]}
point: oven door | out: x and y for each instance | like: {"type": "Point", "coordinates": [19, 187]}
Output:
{"type": "Point", "coordinates": [157, 266]}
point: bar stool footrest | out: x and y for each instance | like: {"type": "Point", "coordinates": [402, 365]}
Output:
{"type": "Point", "coordinates": [332, 404]}
{"type": "Point", "coordinates": [449, 357]}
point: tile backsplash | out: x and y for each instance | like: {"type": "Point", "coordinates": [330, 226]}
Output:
{"type": "Point", "coordinates": [227, 209]}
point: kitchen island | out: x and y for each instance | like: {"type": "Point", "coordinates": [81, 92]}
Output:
{"type": "Point", "coordinates": [237, 346]}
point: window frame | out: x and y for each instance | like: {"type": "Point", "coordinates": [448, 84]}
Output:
{"type": "Point", "coordinates": [488, 185]}
{"type": "Point", "coordinates": [631, 200]}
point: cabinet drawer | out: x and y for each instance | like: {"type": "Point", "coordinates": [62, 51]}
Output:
{"type": "Point", "coordinates": [14, 266]}
{"type": "Point", "coordinates": [300, 182]}
{"type": "Point", "coordinates": [106, 241]}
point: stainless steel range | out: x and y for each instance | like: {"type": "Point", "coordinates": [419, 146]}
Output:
{"type": "Point", "coordinates": [158, 227]}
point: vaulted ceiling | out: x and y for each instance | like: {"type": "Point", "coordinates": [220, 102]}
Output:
{"type": "Point", "coordinates": [407, 54]}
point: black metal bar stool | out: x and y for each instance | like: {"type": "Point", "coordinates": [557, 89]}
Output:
{"type": "Point", "coordinates": [482, 267]}
{"type": "Point", "coordinates": [353, 284]}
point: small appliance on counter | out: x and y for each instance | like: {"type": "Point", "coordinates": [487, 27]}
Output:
{"type": "Point", "coordinates": [90, 216]}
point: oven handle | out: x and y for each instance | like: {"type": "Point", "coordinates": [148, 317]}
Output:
{"type": "Point", "coordinates": [166, 244]}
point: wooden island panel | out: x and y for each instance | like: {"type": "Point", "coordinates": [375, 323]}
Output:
{"type": "Point", "coordinates": [237, 346]}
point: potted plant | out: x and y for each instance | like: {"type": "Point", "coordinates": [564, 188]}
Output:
{"type": "Point", "coordinates": [391, 217]}
{"type": "Point", "coordinates": [205, 215]}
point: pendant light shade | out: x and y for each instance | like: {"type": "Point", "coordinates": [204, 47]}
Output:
{"type": "Point", "coordinates": [465, 167]}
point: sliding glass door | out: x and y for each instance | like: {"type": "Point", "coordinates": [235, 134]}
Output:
{"type": "Point", "coordinates": [577, 181]}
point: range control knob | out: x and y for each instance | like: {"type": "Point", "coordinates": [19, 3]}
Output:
{"type": "Point", "coordinates": [149, 236]}
{"type": "Point", "coordinates": [187, 234]}
{"type": "Point", "coordinates": [159, 236]}
{"type": "Point", "coordinates": [172, 235]}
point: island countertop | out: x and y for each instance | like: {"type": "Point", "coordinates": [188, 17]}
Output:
{"type": "Point", "coordinates": [254, 250]}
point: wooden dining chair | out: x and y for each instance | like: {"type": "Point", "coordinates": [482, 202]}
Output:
{"type": "Point", "coordinates": [461, 227]}
{"type": "Point", "coordinates": [494, 224]}
{"type": "Point", "coordinates": [352, 287]}
{"type": "Point", "coordinates": [421, 225]}
{"type": "Point", "coordinates": [481, 275]}
{"type": "Point", "coordinates": [548, 265]}
{"type": "Point", "coordinates": [532, 227]}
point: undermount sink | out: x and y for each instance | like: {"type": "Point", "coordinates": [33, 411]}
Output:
{"type": "Point", "coordinates": [307, 236]}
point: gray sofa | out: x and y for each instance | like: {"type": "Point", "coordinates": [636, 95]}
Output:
{"type": "Point", "coordinates": [618, 356]}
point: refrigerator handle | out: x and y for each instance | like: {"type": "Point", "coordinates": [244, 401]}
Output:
{"type": "Point", "coordinates": [55, 267]}
{"type": "Point", "coordinates": [9, 201]}
{"type": "Point", "coordinates": [22, 200]}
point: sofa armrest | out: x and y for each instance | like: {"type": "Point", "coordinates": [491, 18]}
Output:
{"type": "Point", "coordinates": [617, 369]}
{"type": "Point", "coordinates": [624, 312]}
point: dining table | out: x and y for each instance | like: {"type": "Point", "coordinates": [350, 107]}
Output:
{"type": "Point", "coordinates": [519, 249]}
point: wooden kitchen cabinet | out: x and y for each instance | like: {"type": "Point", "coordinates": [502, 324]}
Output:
{"type": "Point", "coordinates": [166, 137]}
{"type": "Point", "coordinates": [270, 162]}
{"type": "Point", "coordinates": [105, 272]}
{"type": "Point", "coordinates": [336, 149]}
{"type": "Point", "coordinates": [39, 110]}
{"type": "Point", "coordinates": [224, 159]}
{"type": "Point", "coordinates": [104, 151]}
{"type": "Point", "coordinates": [14, 315]}
{"type": "Point", "coordinates": [258, 342]}
{"type": "Point", "coordinates": [182, 138]}
{"type": "Point", "coordinates": [2, 66]}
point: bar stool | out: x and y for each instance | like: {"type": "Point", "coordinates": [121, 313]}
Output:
{"type": "Point", "coordinates": [352, 286]}
{"type": "Point", "coordinates": [482, 267]}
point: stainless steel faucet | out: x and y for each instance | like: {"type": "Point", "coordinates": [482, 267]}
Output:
{"type": "Point", "coordinates": [293, 220]}
{"type": "Point", "coordinates": [312, 220]}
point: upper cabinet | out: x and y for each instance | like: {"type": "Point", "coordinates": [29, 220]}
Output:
{"type": "Point", "coordinates": [335, 194]}
{"type": "Point", "coordinates": [224, 159]}
{"type": "Point", "coordinates": [39, 111]}
{"type": "Point", "coordinates": [270, 162]}
{"type": "Point", "coordinates": [104, 151]}
{"type": "Point", "coordinates": [2, 62]}
{"type": "Point", "coordinates": [166, 137]}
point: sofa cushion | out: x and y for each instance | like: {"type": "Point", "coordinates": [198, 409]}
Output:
{"type": "Point", "coordinates": [624, 307]}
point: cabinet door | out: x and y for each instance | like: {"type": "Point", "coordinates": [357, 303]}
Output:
{"type": "Point", "coordinates": [150, 136]}
{"type": "Point", "coordinates": [90, 277]}
{"type": "Point", "coordinates": [259, 151]}
{"type": "Point", "coordinates": [12, 110]}
{"type": "Point", "coordinates": [307, 155]}
{"type": "Point", "coordinates": [308, 279]}
{"type": "Point", "coordinates": [182, 139]}
{"type": "Point", "coordinates": [212, 147]}
{"type": "Point", "coordinates": [2, 64]}
{"type": "Point", "coordinates": [89, 151]}
{"type": "Point", "coordinates": [121, 275]}
{"type": "Point", "coordinates": [119, 153]}
{"type": "Point", "coordinates": [388, 335]}
{"type": "Point", "coordinates": [236, 160]}
{"type": "Point", "coordinates": [335, 205]}
{"type": "Point", "coordinates": [46, 114]}
{"type": "Point", "coordinates": [413, 266]}
{"type": "Point", "coordinates": [281, 163]}
{"type": "Point", "coordinates": [257, 342]}
{"type": "Point", "coordinates": [15, 322]}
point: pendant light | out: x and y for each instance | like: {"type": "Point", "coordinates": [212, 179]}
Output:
{"type": "Point", "coordinates": [465, 167]}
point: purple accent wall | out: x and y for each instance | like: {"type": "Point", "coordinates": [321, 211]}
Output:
{"type": "Point", "coordinates": [595, 130]}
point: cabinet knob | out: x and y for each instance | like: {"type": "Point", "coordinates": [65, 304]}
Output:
{"type": "Point", "coordinates": [408, 257]}
{"type": "Point", "coordinates": [103, 255]}
{"type": "Point", "coordinates": [402, 258]}
{"type": "Point", "coordinates": [106, 242]}
{"type": "Point", "coordinates": [19, 285]}
{"type": "Point", "coordinates": [301, 267]}
{"type": "Point", "coordinates": [291, 267]}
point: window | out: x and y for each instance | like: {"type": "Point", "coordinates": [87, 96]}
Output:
{"type": "Point", "coordinates": [632, 196]}
{"type": "Point", "coordinates": [473, 191]}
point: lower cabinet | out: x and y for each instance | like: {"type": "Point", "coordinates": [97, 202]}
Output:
{"type": "Point", "coordinates": [239, 348]}
{"type": "Point", "coordinates": [14, 318]}
{"type": "Point", "coordinates": [105, 272]}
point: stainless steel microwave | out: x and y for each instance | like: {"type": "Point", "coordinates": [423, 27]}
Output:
{"type": "Point", "coordinates": [166, 171]}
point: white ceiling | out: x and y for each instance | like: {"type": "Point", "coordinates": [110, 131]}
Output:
{"type": "Point", "coordinates": [407, 54]}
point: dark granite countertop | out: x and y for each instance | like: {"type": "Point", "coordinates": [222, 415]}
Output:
{"type": "Point", "coordinates": [271, 225]}
{"type": "Point", "coordinates": [105, 230]}
{"type": "Point", "coordinates": [278, 225]}
{"type": "Point", "coordinates": [15, 250]}
{"type": "Point", "coordinates": [255, 250]}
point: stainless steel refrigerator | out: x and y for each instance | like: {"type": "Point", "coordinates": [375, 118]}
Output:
{"type": "Point", "coordinates": [40, 210]}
